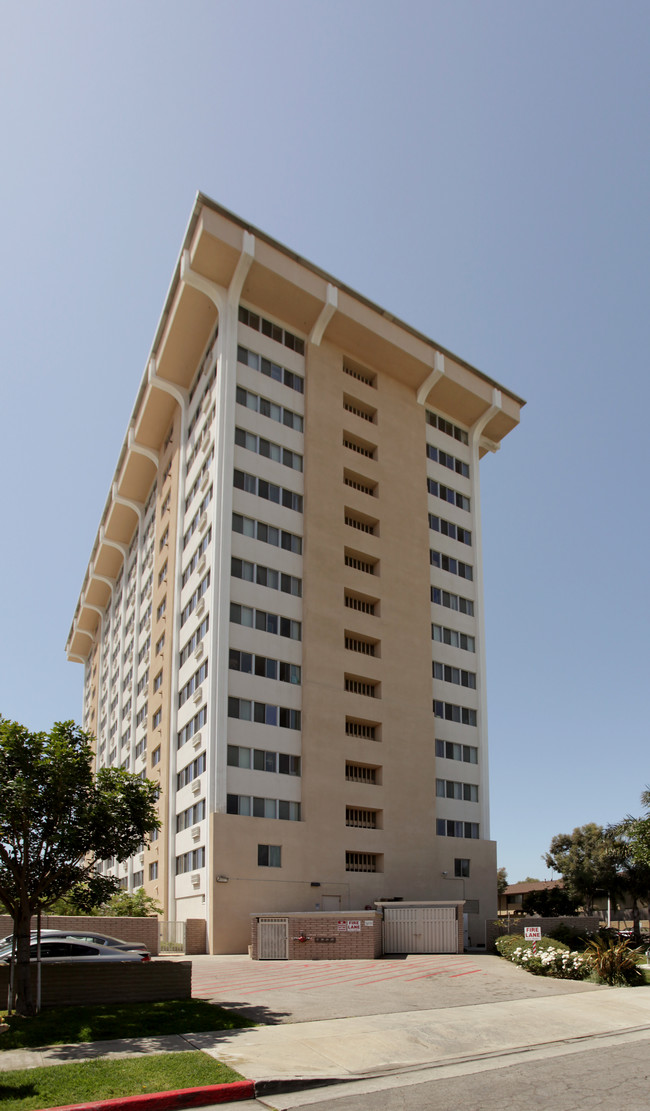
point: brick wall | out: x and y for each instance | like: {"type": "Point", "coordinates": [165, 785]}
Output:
{"type": "Point", "coordinates": [127, 929]}
{"type": "Point", "coordinates": [111, 982]}
{"type": "Point", "coordinates": [196, 936]}
{"type": "Point", "coordinates": [494, 930]}
{"type": "Point", "coordinates": [328, 937]}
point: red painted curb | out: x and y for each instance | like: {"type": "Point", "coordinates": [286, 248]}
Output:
{"type": "Point", "coordinates": [160, 1101]}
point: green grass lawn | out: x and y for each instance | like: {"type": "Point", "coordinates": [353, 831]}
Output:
{"type": "Point", "coordinates": [57, 1085]}
{"type": "Point", "coordinates": [61, 1025]}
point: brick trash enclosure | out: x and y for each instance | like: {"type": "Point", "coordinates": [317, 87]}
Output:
{"type": "Point", "coordinates": [334, 936]}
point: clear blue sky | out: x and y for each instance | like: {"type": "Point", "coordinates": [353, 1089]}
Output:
{"type": "Point", "coordinates": [481, 170]}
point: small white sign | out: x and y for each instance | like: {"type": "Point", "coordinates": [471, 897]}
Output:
{"type": "Point", "coordinates": [354, 925]}
{"type": "Point", "coordinates": [368, 922]}
{"type": "Point", "coordinates": [533, 933]}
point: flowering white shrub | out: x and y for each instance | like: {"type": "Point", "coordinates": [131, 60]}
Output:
{"type": "Point", "coordinates": [550, 961]}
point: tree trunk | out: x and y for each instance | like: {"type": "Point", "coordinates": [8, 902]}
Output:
{"type": "Point", "coordinates": [636, 932]}
{"type": "Point", "coordinates": [23, 977]}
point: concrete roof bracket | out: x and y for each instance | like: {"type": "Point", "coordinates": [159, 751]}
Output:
{"type": "Point", "coordinates": [103, 539]}
{"type": "Point", "coordinates": [177, 392]}
{"type": "Point", "coordinates": [432, 378]}
{"type": "Point", "coordinates": [140, 449]}
{"type": "Point", "coordinates": [137, 508]}
{"type": "Point", "coordinates": [485, 417]}
{"type": "Point", "coordinates": [325, 315]}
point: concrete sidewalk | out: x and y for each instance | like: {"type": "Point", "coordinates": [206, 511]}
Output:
{"type": "Point", "coordinates": [380, 1044]}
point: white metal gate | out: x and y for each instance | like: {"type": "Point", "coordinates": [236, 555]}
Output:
{"type": "Point", "coordinates": [273, 939]}
{"type": "Point", "coordinates": [171, 937]}
{"type": "Point", "coordinates": [420, 930]}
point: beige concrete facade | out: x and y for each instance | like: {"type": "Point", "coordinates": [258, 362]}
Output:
{"type": "Point", "coordinates": [282, 618]}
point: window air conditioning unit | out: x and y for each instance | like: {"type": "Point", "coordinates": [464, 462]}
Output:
{"type": "Point", "coordinates": [203, 522]}
{"type": "Point", "coordinates": [199, 651]}
{"type": "Point", "coordinates": [207, 401]}
{"type": "Point", "coordinates": [141, 858]}
{"type": "Point", "coordinates": [196, 786]}
{"type": "Point", "coordinates": [196, 833]}
{"type": "Point", "coordinates": [196, 740]}
{"type": "Point", "coordinates": [196, 879]}
{"type": "Point", "coordinates": [198, 694]}
{"type": "Point", "coordinates": [205, 479]}
{"type": "Point", "coordinates": [207, 445]}
{"type": "Point", "coordinates": [200, 607]}
{"type": "Point", "coordinates": [202, 562]}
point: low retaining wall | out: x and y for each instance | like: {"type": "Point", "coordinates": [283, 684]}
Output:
{"type": "Point", "coordinates": [333, 936]}
{"type": "Point", "coordinates": [109, 982]}
{"type": "Point", "coordinates": [515, 925]}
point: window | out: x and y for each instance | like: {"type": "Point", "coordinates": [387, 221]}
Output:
{"type": "Point", "coordinates": [157, 683]}
{"type": "Point", "coordinates": [447, 528]}
{"type": "Point", "coordinates": [194, 523]}
{"type": "Point", "coordinates": [164, 539]}
{"type": "Point", "coordinates": [262, 760]}
{"type": "Point", "coordinates": [190, 862]}
{"type": "Point", "coordinates": [445, 460]}
{"type": "Point", "coordinates": [263, 808]}
{"type": "Point", "coordinates": [447, 674]}
{"type": "Point", "coordinates": [354, 642]}
{"type": "Point", "coordinates": [360, 482]}
{"type": "Point", "coordinates": [363, 524]}
{"type": "Point", "coordinates": [356, 685]}
{"type": "Point", "coordinates": [451, 789]}
{"type": "Point", "coordinates": [157, 718]}
{"type": "Point", "coordinates": [452, 601]}
{"type": "Point", "coordinates": [153, 870]}
{"type": "Point", "coordinates": [461, 867]}
{"type": "Point", "coordinates": [196, 555]}
{"type": "Point", "coordinates": [155, 756]}
{"type": "Point", "coordinates": [273, 331]}
{"type": "Point", "coordinates": [437, 490]}
{"type": "Point", "coordinates": [361, 819]}
{"type": "Point", "coordinates": [265, 622]}
{"type": "Point", "coordinates": [161, 609]}
{"type": "Point", "coordinates": [452, 751]}
{"type": "Point", "coordinates": [368, 730]}
{"type": "Point", "coordinates": [450, 712]}
{"type": "Point", "coordinates": [264, 667]}
{"type": "Point", "coordinates": [361, 562]}
{"type": "Point", "coordinates": [269, 409]}
{"type": "Point", "coordinates": [191, 771]}
{"type": "Point", "coordinates": [265, 576]}
{"type": "Point", "coordinates": [445, 828]}
{"type": "Point", "coordinates": [361, 374]}
{"type": "Point", "coordinates": [194, 641]}
{"type": "Point", "coordinates": [263, 713]}
{"type": "Point", "coordinates": [449, 563]}
{"type": "Point", "coordinates": [193, 684]}
{"type": "Point", "coordinates": [269, 856]}
{"type": "Point", "coordinates": [191, 816]}
{"type": "Point", "coordinates": [160, 644]}
{"type": "Point", "coordinates": [267, 449]}
{"type": "Point", "coordinates": [353, 405]}
{"type": "Point", "coordinates": [452, 637]}
{"type": "Point", "coordinates": [192, 727]}
{"type": "Point", "coordinates": [447, 427]}
{"type": "Point", "coordinates": [268, 534]}
{"type": "Point", "coordinates": [191, 605]}
{"type": "Point", "coordinates": [362, 447]}
{"type": "Point", "coordinates": [361, 773]}
{"type": "Point", "coordinates": [362, 862]}
{"type": "Point", "coordinates": [251, 484]}
{"type": "Point", "coordinates": [361, 602]}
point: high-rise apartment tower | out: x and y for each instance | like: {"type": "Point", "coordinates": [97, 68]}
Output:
{"type": "Point", "coordinates": [282, 617]}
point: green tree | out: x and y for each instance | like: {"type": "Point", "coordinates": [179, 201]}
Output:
{"type": "Point", "coordinates": [502, 881]}
{"type": "Point", "coordinates": [550, 902]}
{"type": "Point", "coordinates": [131, 904]}
{"type": "Point", "coordinates": [632, 837]}
{"type": "Point", "coordinates": [586, 861]}
{"type": "Point", "coordinates": [57, 821]}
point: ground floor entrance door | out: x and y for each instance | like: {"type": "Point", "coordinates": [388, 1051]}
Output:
{"type": "Point", "coordinates": [273, 939]}
{"type": "Point", "coordinates": [420, 930]}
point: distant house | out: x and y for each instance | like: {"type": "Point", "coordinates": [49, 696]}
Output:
{"type": "Point", "coordinates": [511, 901]}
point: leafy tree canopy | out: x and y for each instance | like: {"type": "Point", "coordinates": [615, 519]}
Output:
{"type": "Point", "coordinates": [502, 880]}
{"type": "Point", "coordinates": [131, 904]}
{"type": "Point", "coordinates": [586, 861]}
{"type": "Point", "coordinates": [551, 902]}
{"type": "Point", "coordinates": [57, 820]}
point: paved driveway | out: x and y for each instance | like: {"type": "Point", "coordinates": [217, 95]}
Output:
{"type": "Point", "coordinates": [306, 991]}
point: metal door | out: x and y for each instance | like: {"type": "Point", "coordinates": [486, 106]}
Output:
{"type": "Point", "coordinates": [273, 939]}
{"type": "Point", "coordinates": [420, 930]}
